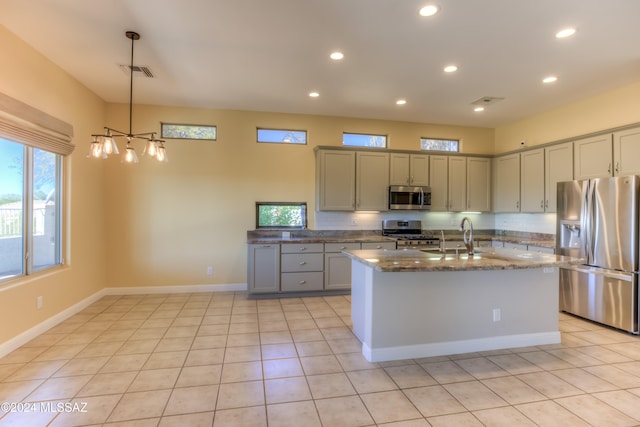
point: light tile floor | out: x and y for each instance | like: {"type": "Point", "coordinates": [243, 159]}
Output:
{"type": "Point", "coordinates": [219, 359]}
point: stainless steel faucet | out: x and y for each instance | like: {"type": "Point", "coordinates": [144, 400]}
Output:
{"type": "Point", "coordinates": [468, 241]}
{"type": "Point", "coordinates": [443, 244]}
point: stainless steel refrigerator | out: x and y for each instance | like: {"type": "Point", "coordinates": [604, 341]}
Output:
{"type": "Point", "coordinates": [597, 220]}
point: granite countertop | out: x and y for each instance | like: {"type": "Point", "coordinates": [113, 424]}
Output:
{"type": "Point", "coordinates": [343, 236]}
{"type": "Point", "coordinates": [411, 260]}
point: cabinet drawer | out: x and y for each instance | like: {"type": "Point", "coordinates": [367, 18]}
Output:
{"type": "Point", "coordinates": [302, 262]}
{"type": "Point", "coordinates": [379, 245]}
{"type": "Point", "coordinates": [297, 248]}
{"type": "Point", "coordinates": [339, 247]}
{"type": "Point", "coordinates": [299, 282]}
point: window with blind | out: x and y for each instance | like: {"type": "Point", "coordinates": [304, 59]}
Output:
{"type": "Point", "coordinates": [32, 147]}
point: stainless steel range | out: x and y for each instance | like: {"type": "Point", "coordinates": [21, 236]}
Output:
{"type": "Point", "coordinates": [409, 234]}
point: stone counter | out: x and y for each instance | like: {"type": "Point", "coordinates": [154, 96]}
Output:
{"type": "Point", "coordinates": [411, 260]}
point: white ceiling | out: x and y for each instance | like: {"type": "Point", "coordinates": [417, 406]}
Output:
{"type": "Point", "coordinates": [267, 55]}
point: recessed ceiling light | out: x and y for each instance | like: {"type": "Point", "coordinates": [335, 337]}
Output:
{"type": "Point", "coordinates": [450, 68]}
{"type": "Point", "coordinates": [429, 10]}
{"type": "Point", "coordinates": [549, 79]}
{"type": "Point", "coordinates": [336, 56]}
{"type": "Point", "coordinates": [478, 109]}
{"type": "Point", "coordinates": [567, 32]}
{"type": "Point", "coordinates": [314, 94]}
{"type": "Point", "coordinates": [401, 101]}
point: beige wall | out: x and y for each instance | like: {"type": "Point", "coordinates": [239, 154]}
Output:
{"type": "Point", "coordinates": [30, 78]}
{"type": "Point", "coordinates": [167, 223]}
{"type": "Point", "coordinates": [611, 109]}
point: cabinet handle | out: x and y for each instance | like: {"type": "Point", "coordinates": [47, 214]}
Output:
{"type": "Point", "coordinates": [303, 248]}
{"type": "Point", "coordinates": [517, 204]}
{"type": "Point", "coordinates": [302, 262]}
{"type": "Point", "coordinates": [302, 282]}
{"type": "Point", "coordinates": [617, 167]}
{"type": "Point", "coordinates": [609, 168]}
{"type": "Point", "coordinates": [542, 203]}
{"type": "Point", "coordinates": [546, 203]}
{"type": "Point", "coordinates": [379, 247]}
{"type": "Point", "coordinates": [266, 246]}
{"type": "Point", "coordinates": [342, 248]}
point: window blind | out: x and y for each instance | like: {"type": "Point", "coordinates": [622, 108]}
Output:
{"type": "Point", "coordinates": [27, 125]}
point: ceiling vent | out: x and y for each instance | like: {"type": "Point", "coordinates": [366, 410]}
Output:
{"type": "Point", "coordinates": [486, 101]}
{"type": "Point", "coordinates": [138, 71]}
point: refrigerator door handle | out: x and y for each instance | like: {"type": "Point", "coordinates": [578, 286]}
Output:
{"type": "Point", "coordinates": [585, 220]}
{"type": "Point", "coordinates": [627, 277]}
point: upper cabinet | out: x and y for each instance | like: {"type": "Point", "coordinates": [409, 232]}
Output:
{"type": "Point", "coordinates": [408, 169]}
{"type": "Point", "coordinates": [532, 181]}
{"type": "Point", "coordinates": [626, 152]}
{"type": "Point", "coordinates": [460, 183]}
{"type": "Point", "coordinates": [558, 160]}
{"type": "Point", "coordinates": [372, 181]}
{"type": "Point", "coordinates": [336, 180]}
{"type": "Point", "coordinates": [349, 180]}
{"type": "Point", "coordinates": [506, 183]}
{"type": "Point", "coordinates": [593, 157]}
{"type": "Point", "coordinates": [478, 184]}
{"type": "Point", "coordinates": [608, 155]}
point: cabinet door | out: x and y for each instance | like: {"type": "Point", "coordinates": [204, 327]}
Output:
{"type": "Point", "coordinates": [478, 184]}
{"type": "Point", "coordinates": [593, 157]}
{"type": "Point", "coordinates": [419, 169]}
{"type": "Point", "coordinates": [336, 180]}
{"type": "Point", "coordinates": [439, 182]}
{"type": "Point", "coordinates": [532, 181]}
{"type": "Point", "coordinates": [558, 168]}
{"type": "Point", "coordinates": [399, 169]}
{"type": "Point", "coordinates": [457, 184]}
{"type": "Point", "coordinates": [626, 152]}
{"type": "Point", "coordinates": [263, 268]}
{"type": "Point", "coordinates": [337, 271]}
{"type": "Point", "coordinates": [372, 181]}
{"type": "Point", "coordinates": [507, 183]}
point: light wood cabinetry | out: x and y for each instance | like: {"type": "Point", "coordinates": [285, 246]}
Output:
{"type": "Point", "coordinates": [408, 169]}
{"type": "Point", "coordinates": [439, 183]}
{"type": "Point", "coordinates": [478, 184]}
{"type": "Point", "coordinates": [372, 181]}
{"type": "Point", "coordinates": [558, 168]}
{"type": "Point", "coordinates": [335, 180]}
{"type": "Point", "coordinates": [507, 183]}
{"type": "Point", "coordinates": [263, 268]}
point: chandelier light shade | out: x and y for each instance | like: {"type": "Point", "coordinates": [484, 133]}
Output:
{"type": "Point", "coordinates": [104, 145]}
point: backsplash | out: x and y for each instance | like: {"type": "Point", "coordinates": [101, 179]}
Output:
{"type": "Point", "coordinates": [533, 223]}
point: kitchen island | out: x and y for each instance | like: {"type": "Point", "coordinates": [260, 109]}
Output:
{"type": "Point", "coordinates": [412, 304]}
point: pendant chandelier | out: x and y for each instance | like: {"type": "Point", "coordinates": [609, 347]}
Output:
{"type": "Point", "coordinates": [104, 145]}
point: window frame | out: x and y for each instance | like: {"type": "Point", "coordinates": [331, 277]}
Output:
{"type": "Point", "coordinates": [27, 237]}
{"type": "Point", "coordinates": [386, 140]}
{"type": "Point", "coordinates": [306, 136]}
{"type": "Point", "coordinates": [457, 141]}
{"type": "Point", "coordinates": [191, 125]}
{"type": "Point", "coordinates": [304, 214]}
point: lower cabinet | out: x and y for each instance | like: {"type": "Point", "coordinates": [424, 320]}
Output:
{"type": "Point", "coordinates": [300, 267]}
{"type": "Point", "coordinates": [263, 268]}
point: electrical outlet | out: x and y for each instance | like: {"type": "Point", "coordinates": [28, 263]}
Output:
{"type": "Point", "coordinates": [497, 315]}
{"type": "Point", "coordinates": [209, 271]}
{"type": "Point", "coordinates": [39, 302]}
{"type": "Point", "coordinates": [354, 221]}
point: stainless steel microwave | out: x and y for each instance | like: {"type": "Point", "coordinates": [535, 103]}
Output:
{"type": "Point", "coordinates": [409, 197]}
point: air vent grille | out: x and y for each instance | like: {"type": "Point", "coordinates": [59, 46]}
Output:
{"type": "Point", "coordinates": [138, 70]}
{"type": "Point", "coordinates": [487, 100]}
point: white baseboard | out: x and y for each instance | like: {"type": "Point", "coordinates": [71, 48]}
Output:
{"type": "Point", "coordinates": [23, 338]}
{"type": "Point", "coordinates": [138, 290]}
{"type": "Point", "coordinates": [458, 347]}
